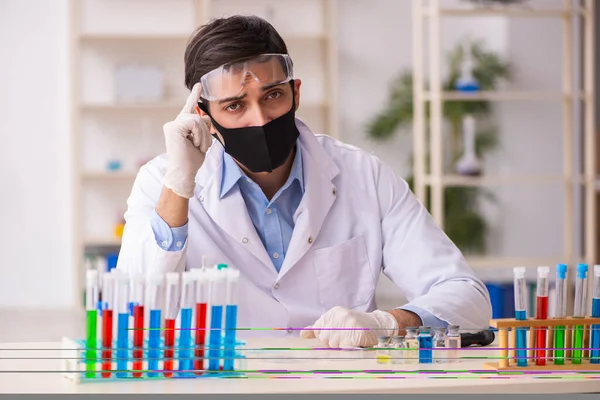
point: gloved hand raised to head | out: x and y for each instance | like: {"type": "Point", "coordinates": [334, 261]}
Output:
{"type": "Point", "coordinates": [344, 327]}
{"type": "Point", "coordinates": [187, 140]}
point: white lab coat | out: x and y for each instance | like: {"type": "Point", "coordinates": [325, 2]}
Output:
{"type": "Point", "coordinates": [356, 219]}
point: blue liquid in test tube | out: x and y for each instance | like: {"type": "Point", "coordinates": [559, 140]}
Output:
{"type": "Point", "coordinates": [122, 309]}
{"type": "Point", "coordinates": [595, 342]}
{"type": "Point", "coordinates": [425, 345]}
{"type": "Point", "coordinates": [217, 289]}
{"type": "Point", "coordinates": [521, 314]}
{"type": "Point", "coordinates": [155, 288]}
{"type": "Point", "coordinates": [185, 333]}
{"type": "Point", "coordinates": [233, 277]}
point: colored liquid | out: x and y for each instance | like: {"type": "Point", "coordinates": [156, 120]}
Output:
{"type": "Point", "coordinates": [216, 318]}
{"type": "Point", "coordinates": [122, 344]}
{"type": "Point", "coordinates": [90, 352]}
{"type": "Point", "coordinates": [595, 341]}
{"type": "Point", "coordinates": [200, 336]}
{"type": "Point", "coordinates": [107, 338]}
{"type": "Point", "coordinates": [521, 352]}
{"type": "Point", "coordinates": [577, 344]}
{"type": "Point", "coordinates": [559, 343]}
{"type": "Point", "coordinates": [383, 359]}
{"type": "Point", "coordinates": [169, 343]}
{"type": "Point", "coordinates": [540, 332]}
{"type": "Point", "coordinates": [185, 340]}
{"type": "Point", "coordinates": [138, 340]}
{"type": "Point", "coordinates": [425, 352]}
{"type": "Point", "coordinates": [230, 326]}
{"type": "Point", "coordinates": [154, 342]}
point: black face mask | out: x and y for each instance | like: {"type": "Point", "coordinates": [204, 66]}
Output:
{"type": "Point", "coordinates": [260, 148]}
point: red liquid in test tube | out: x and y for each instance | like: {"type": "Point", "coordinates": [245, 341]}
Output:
{"type": "Point", "coordinates": [169, 346]}
{"type": "Point", "coordinates": [541, 313]}
{"type": "Point", "coordinates": [200, 336]}
{"type": "Point", "coordinates": [138, 340]}
{"type": "Point", "coordinates": [107, 338]}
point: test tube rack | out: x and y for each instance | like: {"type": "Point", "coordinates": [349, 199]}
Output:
{"type": "Point", "coordinates": [507, 330]}
{"type": "Point", "coordinates": [75, 361]}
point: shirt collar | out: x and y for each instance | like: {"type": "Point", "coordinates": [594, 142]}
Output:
{"type": "Point", "coordinates": [232, 173]}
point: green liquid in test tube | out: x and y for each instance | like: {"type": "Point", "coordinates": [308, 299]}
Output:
{"type": "Point", "coordinates": [91, 302]}
{"type": "Point", "coordinates": [579, 311]}
{"type": "Point", "coordinates": [560, 312]}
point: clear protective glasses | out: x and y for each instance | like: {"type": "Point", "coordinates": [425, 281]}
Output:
{"type": "Point", "coordinates": [229, 80]}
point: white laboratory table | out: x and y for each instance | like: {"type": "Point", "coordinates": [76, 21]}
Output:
{"type": "Point", "coordinates": [36, 368]}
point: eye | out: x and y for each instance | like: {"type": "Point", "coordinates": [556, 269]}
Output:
{"type": "Point", "coordinates": [274, 95]}
{"type": "Point", "coordinates": [233, 107]}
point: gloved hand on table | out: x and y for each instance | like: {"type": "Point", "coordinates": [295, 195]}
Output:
{"type": "Point", "coordinates": [378, 323]}
{"type": "Point", "coordinates": [187, 140]}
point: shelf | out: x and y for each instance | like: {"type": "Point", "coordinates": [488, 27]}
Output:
{"type": "Point", "coordinates": [109, 176]}
{"type": "Point", "coordinates": [132, 106]}
{"type": "Point", "coordinates": [511, 262]}
{"type": "Point", "coordinates": [460, 180]}
{"type": "Point", "coordinates": [90, 37]}
{"type": "Point", "coordinates": [500, 96]}
{"type": "Point", "coordinates": [102, 242]}
{"type": "Point", "coordinates": [507, 12]}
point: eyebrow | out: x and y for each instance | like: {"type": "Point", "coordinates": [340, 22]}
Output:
{"type": "Point", "coordinates": [240, 97]}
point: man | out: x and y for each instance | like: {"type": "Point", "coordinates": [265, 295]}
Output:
{"type": "Point", "coordinates": [310, 222]}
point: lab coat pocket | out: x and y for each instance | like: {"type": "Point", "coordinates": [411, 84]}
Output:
{"type": "Point", "coordinates": [344, 276]}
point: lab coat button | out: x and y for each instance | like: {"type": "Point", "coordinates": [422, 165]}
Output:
{"type": "Point", "coordinates": [276, 286]}
{"type": "Point", "coordinates": [310, 239]}
{"type": "Point", "coordinates": [334, 191]}
{"type": "Point", "coordinates": [245, 240]}
{"type": "Point", "coordinates": [164, 244]}
{"type": "Point", "coordinates": [201, 199]}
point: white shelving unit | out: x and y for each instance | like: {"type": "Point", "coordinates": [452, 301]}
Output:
{"type": "Point", "coordinates": [427, 15]}
{"type": "Point", "coordinates": [155, 32]}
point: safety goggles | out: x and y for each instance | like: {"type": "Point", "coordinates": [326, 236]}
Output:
{"type": "Point", "coordinates": [229, 80]}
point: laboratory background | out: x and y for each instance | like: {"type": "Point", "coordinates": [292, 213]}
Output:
{"type": "Point", "coordinates": [490, 115]}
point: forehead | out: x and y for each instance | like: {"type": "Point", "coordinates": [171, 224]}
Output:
{"type": "Point", "coordinates": [231, 79]}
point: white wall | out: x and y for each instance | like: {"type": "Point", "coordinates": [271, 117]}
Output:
{"type": "Point", "coordinates": [35, 155]}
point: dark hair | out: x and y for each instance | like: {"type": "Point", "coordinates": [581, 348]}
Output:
{"type": "Point", "coordinates": [224, 40]}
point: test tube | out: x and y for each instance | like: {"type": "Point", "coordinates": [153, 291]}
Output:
{"type": "Point", "coordinates": [453, 341]}
{"type": "Point", "coordinates": [185, 333]}
{"type": "Point", "coordinates": [137, 298]}
{"type": "Point", "coordinates": [439, 343]}
{"type": "Point", "coordinates": [541, 313]}
{"type": "Point", "coordinates": [108, 295]}
{"type": "Point", "coordinates": [122, 309]}
{"type": "Point", "coordinates": [233, 278]}
{"type": "Point", "coordinates": [425, 345]}
{"type": "Point", "coordinates": [154, 296]}
{"type": "Point", "coordinates": [579, 312]}
{"type": "Point", "coordinates": [91, 306]}
{"type": "Point", "coordinates": [595, 343]}
{"type": "Point", "coordinates": [202, 286]}
{"type": "Point", "coordinates": [560, 312]}
{"type": "Point", "coordinates": [383, 350]}
{"type": "Point", "coordinates": [217, 300]}
{"type": "Point", "coordinates": [411, 343]}
{"type": "Point", "coordinates": [521, 314]}
{"type": "Point", "coordinates": [171, 306]}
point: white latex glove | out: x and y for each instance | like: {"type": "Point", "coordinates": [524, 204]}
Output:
{"type": "Point", "coordinates": [382, 324]}
{"type": "Point", "coordinates": [187, 140]}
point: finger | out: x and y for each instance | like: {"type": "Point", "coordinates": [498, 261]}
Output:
{"type": "Point", "coordinates": [190, 128]}
{"type": "Point", "coordinates": [192, 100]}
{"type": "Point", "coordinates": [307, 333]}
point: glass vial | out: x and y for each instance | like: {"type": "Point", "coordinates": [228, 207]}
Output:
{"type": "Point", "coordinates": [439, 344]}
{"type": "Point", "coordinates": [453, 343]}
{"type": "Point", "coordinates": [411, 344]}
{"type": "Point", "coordinates": [425, 345]}
{"type": "Point", "coordinates": [398, 352]}
{"type": "Point", "coordinates": [383, 350]}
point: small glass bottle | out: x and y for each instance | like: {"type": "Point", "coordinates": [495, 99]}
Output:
{"type": "Point", "coordinates": [383, 350]}
{"type": "Point", "coordinates": [439, 343]}
{"type": "Point", "coordinates": [425, 345]}
{"type": "Point", "coordinates": [411, 344]}
{"type": "Point", "coordinates": [398, 354]}
{"type": "Point", "coordinates": [453, 342]}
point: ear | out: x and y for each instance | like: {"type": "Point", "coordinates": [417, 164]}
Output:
{"type": "Point", "coordinates": [213, 130]}
{"type": "Point", "coordinates": [297, 84]}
